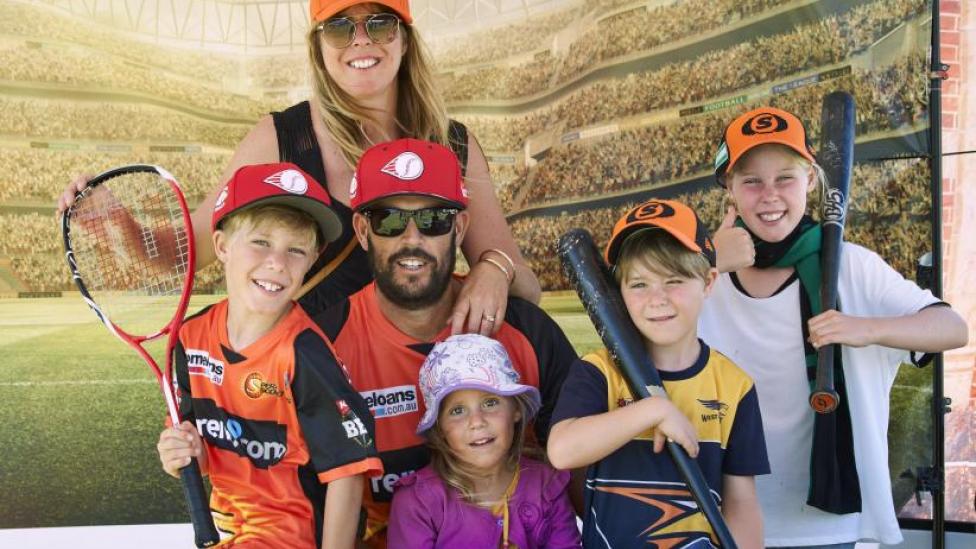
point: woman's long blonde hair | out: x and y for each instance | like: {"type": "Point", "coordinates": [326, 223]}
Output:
{"type": "Point", "coordinates": [454, 472]}
{"type": "Point", "coordinates": [421, 113]}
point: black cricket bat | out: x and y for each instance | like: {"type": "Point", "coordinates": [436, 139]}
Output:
{"type": "Point", "coordinates": [588, 273]}
{"type": "Point", "coordinates": [836, 157]}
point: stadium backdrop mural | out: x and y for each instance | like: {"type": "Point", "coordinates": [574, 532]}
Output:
{"type": "Point", "coordinates": [582, 109]}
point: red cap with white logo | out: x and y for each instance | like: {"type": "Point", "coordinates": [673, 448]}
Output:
{"type": "Point", "coordinates": [282, 183]}
{"type": "Point", "coordinates": [407, 167]}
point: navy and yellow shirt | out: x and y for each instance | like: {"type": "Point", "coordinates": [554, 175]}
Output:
{"type": "Point", "coordinates": [636, 497]}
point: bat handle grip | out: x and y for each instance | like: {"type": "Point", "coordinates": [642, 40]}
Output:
{"type": "Point", "coordinates": [823, 398]}
{"type": "Point", "coordinates": [204, 532]}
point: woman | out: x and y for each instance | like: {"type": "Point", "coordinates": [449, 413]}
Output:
{"type": "Point", "coordinates": [374, 83]}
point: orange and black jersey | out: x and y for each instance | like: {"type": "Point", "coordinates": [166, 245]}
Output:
{"type": "Point", "coordinates": [278, 418]}
{"type": "Point", "coordinates": [384, 365]}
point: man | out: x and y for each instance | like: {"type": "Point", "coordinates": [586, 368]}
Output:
{"type": "Point", "coordinates": [410, 215]}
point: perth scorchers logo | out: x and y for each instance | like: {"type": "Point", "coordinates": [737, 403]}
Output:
{"type": "Point", "coordinates": [650, 210]}
{"type": "Point", "coordinates": [764, 122]}
{"type": "Point", "coordinates": [289, 180]}
{"type": "Point", "coordinates": [255, 387]}
{"type": "Point", "coordinates": [406, 166]}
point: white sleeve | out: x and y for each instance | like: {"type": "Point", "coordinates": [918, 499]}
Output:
{"type": "Point", "coordinates": [870, 287]}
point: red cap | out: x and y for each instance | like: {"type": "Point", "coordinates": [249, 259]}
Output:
{"type": "Point", "coordinates": [407, 167]}
{"type": "Point", "coordinates": [320, 10]}
{"type": "Point", "coordinates": [282, 183]}
{"type": "Point", "coordinates": [674, 217]}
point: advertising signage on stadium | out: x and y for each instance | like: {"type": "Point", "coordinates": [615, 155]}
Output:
{"type": "Point", "coordinates": [812, 79]}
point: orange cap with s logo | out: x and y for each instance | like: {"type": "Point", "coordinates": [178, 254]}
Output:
{"type": "Point", "coordinates": [760, 126]}
{"type": "Point", "coordinates": [674, 217]}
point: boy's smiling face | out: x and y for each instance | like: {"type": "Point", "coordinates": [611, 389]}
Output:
{"type": "Point", "coordinates": [664, 307]}
{"type": "Point", "coordinates": [264, 266]}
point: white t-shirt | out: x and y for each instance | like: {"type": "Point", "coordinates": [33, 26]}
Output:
{"type": "Point", "coordinates": [764, 337]}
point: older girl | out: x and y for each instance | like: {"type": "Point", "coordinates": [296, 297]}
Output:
{"type": "Point", "coordinates": [829, 485]}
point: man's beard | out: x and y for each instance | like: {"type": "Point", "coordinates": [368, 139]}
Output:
{"type": "Point", "coordinates": [415, 298]}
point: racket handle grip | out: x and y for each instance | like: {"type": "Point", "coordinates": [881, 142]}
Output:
{"type": "Point", "coordinates": [204, 532]}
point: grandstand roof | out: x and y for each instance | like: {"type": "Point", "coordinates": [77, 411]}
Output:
{"type": "Point", "coordinates": [271, 24]}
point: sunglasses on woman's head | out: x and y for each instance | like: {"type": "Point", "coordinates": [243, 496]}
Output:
{"type": "Point", "coordinates": [339, 32]}
{"type": "Point", "coordinates": [435, 221]}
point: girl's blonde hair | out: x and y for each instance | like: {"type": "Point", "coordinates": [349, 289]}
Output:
{"type": "Point", "coordinates": [453, 471]}
{"type": "Point", "coordinates": [420, 114]}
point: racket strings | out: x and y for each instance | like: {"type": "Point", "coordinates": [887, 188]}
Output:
{"type": "Point", "coordinates": [130, 244]}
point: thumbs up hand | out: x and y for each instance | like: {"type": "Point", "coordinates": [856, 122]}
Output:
{"type": "Point", "coordinates": [734, 249]}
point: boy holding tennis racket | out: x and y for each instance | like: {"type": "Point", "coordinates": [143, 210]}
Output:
{"type": "Point", "coordinates": [266, 407]}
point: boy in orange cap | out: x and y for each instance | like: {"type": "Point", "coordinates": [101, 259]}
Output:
{"type": "Point", "coordinates": [664, 261]}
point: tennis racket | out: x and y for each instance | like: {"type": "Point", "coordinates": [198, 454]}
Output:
{"type": "Point", "coordinates": [129, 244]}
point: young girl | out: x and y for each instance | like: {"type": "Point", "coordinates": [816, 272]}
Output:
{"type": "Point", "coordinates": [478, 491]}
{"type": "Point", "coordinates": [829, 485]}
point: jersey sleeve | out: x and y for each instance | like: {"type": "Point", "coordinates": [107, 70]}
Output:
{"type": "Point", "coordinates": [554, 353]}
{"type": "Point", "coordinates": [745, 452]}
{"type": "Point", "coordinates": [583, 394]}
{"type": "Point", "coordinates": [336, 424]}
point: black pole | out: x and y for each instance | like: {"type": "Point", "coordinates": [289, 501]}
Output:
{"type": "Point", "coordinates": [936, 75]}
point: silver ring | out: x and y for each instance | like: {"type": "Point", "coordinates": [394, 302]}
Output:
{"type": "Point", "coordinates": [490, 318]}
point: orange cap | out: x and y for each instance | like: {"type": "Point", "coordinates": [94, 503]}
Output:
{"type": "Point", "coordinates": [760, 127]}
{"type": "Point", "coordinates": [320, 10]}
{"type": "Point", "coordinates": [674, 217]}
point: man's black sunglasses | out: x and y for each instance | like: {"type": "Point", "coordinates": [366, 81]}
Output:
{"type": "Point", "coordinates": [435, 221]}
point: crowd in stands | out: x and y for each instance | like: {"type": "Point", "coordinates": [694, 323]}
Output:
{"type": "Point", "coordinates": [527, 35]}
{"type": "Point", "coordinates": [71, 67]}
{"type": "Point", "coordinates": [684, 147]}
{"type": "Point", "coordinates": [39, 175]}
{"type": "Point", "coordinates": [285, 71]}
{"type": "Point", "coordinates": [32, 242]}
{"type": "Point", "coordinates": [508, 180]}
{"type": "Point", "coordinates": [877, 218]}
{"type": "Point", "coordinates": [762, 59]}
{"type": "Point", "coordinates": [55, 119]}
{"type": "Point", "coordinates": [34, 22]}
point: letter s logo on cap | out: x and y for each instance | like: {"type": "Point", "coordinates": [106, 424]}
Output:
{"type": "Point", "coordinates": [650, 210]}
{"type": "Point", "coordinates": [289, 180]}
{"type": "Point", "coordinates": [353, 186]}
{"type": "Point", "coordinates": [764, 123]}
{"type": "Point", "coordinates": [406, 166]}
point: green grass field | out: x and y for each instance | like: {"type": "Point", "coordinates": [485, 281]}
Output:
{"type": "Point", "coordinates": [81, 413]}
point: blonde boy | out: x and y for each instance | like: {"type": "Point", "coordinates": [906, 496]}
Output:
{"type": "Point", "coordinates": [267, 408]}
{"type": "Point", "coordinates": [664, 262]}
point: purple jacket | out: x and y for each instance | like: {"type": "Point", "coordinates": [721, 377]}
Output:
{"type": "Point", "coordinates": [426, 513]}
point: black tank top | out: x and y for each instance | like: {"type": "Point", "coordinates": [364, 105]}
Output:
{"type": "Point", "coordinates": [297, 144]}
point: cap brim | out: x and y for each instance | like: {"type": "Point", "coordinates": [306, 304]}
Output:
{"type": "Point", "coordinates": [442, 199]}
{"type": "Point", "coordinates": [613, 249]}
{"type": "Point", "coordinates": [328, 220]}
{"type": "Point", "coordinates": [430, 416]}
{"type": "Point", "coordinates": [339, 6]}
{"type": "Point", "coordinates": [735, 158]}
